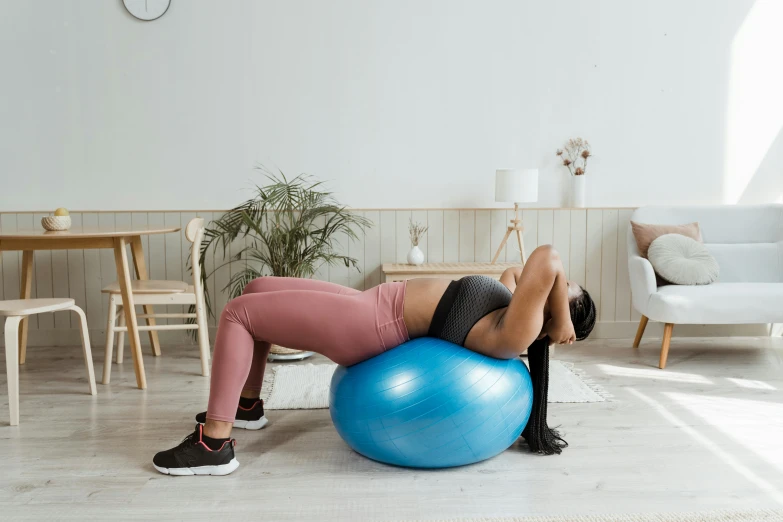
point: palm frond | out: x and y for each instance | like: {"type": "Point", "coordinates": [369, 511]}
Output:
{"type": "Point", "coordinates": [288, 228]}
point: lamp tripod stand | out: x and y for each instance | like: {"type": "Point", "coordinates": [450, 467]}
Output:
{"type": "Point", "coordinates": [517, 227]}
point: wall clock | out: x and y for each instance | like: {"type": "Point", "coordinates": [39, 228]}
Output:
{"type": "Point", "coordinates": [147, 10]}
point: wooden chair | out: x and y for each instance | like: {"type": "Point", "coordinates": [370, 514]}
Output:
{"type": "Point", "coordinates": [161, 293]}
{"type": "Point", "coordinates": [14, 312]}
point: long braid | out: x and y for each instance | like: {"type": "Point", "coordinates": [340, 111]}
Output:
{"type": "Point", "coordinates": [539, 436]}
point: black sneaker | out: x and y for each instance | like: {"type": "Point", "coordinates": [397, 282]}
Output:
{"type": "Point", "coordinates": [246, 418]}
{"type": "Point", "coordinates": [193, 457]}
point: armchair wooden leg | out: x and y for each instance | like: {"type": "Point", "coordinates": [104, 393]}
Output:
{"type": "Point", "coordinates": [640, 331]}
{"type": "Point", "coordinates": [667, 338]}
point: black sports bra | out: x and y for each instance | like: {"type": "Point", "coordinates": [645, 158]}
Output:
{"type": "Point", "coordinates": [464, 303]}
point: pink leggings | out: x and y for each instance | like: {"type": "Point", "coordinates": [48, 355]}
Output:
{"type": "Point", "coordinates": [345, 325]}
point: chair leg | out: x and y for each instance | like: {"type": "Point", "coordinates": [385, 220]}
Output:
{"type": "Point", "coordinates": [667, 338]}
{"type": "Point", "coordinates": [640, 331]}
{"type": "Point", "coordinates": [121, 337]}
{"type": "Point", "coordinates": [12, 366]}
{"type": "Point", "coordinates": [109, 339]}
{"type": "Point", "coordinates": [203, 338]}
{"type": "Point", "coordinates": [25, 292]}
{"type": "Point", "coordinates": [86, 348]}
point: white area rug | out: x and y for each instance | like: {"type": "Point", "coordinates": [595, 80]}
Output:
{"type": "Point", "coordinates": [711, 516]}
{"type": "Point", "coordinates": [306, 386]}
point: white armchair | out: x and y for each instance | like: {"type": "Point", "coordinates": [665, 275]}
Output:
{"type": "Point", "coordinates": [747, 242]}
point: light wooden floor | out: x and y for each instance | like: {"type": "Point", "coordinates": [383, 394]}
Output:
{"type": "Point", "coordinates": [707, 433]}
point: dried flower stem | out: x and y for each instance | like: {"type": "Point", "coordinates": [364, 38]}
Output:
{"type": "Point", "coordinates": [416, 231]}
{"type": "Point", "coordinates": [576, 150]}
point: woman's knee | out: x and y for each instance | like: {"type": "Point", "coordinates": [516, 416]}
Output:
{"type": "Point", "coordinates": [544, 258]}
{"type": "Point", "coordinates": [234, 311]}
{"type": "Point", "coordinates": [545, 252]}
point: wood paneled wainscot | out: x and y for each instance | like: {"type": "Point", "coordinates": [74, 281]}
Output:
{"type": "Point", "coordinates": [591, 243]}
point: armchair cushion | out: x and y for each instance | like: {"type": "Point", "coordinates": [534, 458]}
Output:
{"type": "Point", "coordinates": [682, 260]}
{"type": "Point", "coordinates": [645, 234]}
{"type": "Point", "coordinates": [718, 303]}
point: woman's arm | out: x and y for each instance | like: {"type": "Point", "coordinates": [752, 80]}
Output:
{"type": "Point", "coordinates": [510, 277]}
{"type": "Point", "coordinates": [559, 328]}
{"type": "Point", "coordinates": [542, 280]}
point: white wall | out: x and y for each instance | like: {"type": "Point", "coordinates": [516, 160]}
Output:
{"type": "Point", "coordinates": [405, 103]}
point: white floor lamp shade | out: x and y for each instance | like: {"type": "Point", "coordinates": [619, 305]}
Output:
{"type": "Point", "coordinates": [515, 186]}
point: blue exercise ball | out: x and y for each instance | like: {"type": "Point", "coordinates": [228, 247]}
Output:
{"type": "Point", "coordinates": [429, 403]}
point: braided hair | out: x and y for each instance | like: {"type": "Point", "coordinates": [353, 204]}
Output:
{"type": "Point", "coordinates": [539, 436]}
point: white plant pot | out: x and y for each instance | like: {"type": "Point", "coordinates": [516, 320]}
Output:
{"type": "Point", "coordinates": [579, 191]}
{"type": "Point", "coordinates": [278, 353]}
{"type": "Point", "coordinates": [415, 256]}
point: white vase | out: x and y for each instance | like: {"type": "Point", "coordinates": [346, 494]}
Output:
{"type": "Point", "coordinates": [578, 191]}
{"type": "Point", "coordinates": [415, 256]}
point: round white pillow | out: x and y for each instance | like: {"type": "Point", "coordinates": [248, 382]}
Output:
{"type": "Point", "coordinates": [682, 260]}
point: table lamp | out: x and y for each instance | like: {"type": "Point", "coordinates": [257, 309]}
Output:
{"type": "Point", "coordinates": [515, 186]}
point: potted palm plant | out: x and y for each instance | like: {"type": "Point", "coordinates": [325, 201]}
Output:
{"type": "Point", "coordinates": [288, 229]}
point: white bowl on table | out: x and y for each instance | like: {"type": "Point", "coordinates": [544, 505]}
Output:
{"type": "Point", "coordinates": [56, 223]}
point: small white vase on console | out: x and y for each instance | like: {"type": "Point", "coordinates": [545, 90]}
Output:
{"type": "Point", "coordinates": [415, 256]}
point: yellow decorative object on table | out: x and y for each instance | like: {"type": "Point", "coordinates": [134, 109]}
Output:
{"type": "Point", "coordinates": [59, 222]}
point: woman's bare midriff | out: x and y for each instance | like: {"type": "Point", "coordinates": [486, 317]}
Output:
{"type": "Point", "coordinates": [421, 299]}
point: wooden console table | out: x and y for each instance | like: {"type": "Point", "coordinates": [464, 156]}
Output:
{"type": "Point", "coordinates": [402, 271]}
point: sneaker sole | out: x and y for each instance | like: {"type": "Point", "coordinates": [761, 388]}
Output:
{"type": "Point", "coordinates": [251, 425]}
{"type": "Point", "coordinates": [222, 469]}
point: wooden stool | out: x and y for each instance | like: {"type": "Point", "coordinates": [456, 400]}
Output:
{"type": "Point", "coordinates": [14, 312]}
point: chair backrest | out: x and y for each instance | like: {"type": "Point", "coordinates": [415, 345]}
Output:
{"type": "Point", "coordinates": [194, 232]}
{"type": "Point", "coordinates": [747, 241]}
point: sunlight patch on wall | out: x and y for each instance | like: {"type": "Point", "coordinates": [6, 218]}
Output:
{"type": "Point", "coordinates": [755, 103]}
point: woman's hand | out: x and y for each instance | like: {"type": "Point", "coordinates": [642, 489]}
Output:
{"type": "Point", "coordinates": [559, 331]}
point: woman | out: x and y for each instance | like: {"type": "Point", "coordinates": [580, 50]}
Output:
{"type": "Point", "coordinates": [527, 308]}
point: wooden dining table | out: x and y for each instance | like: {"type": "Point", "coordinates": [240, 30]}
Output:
{"type": "Point", "coordinates": [116, 238]}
